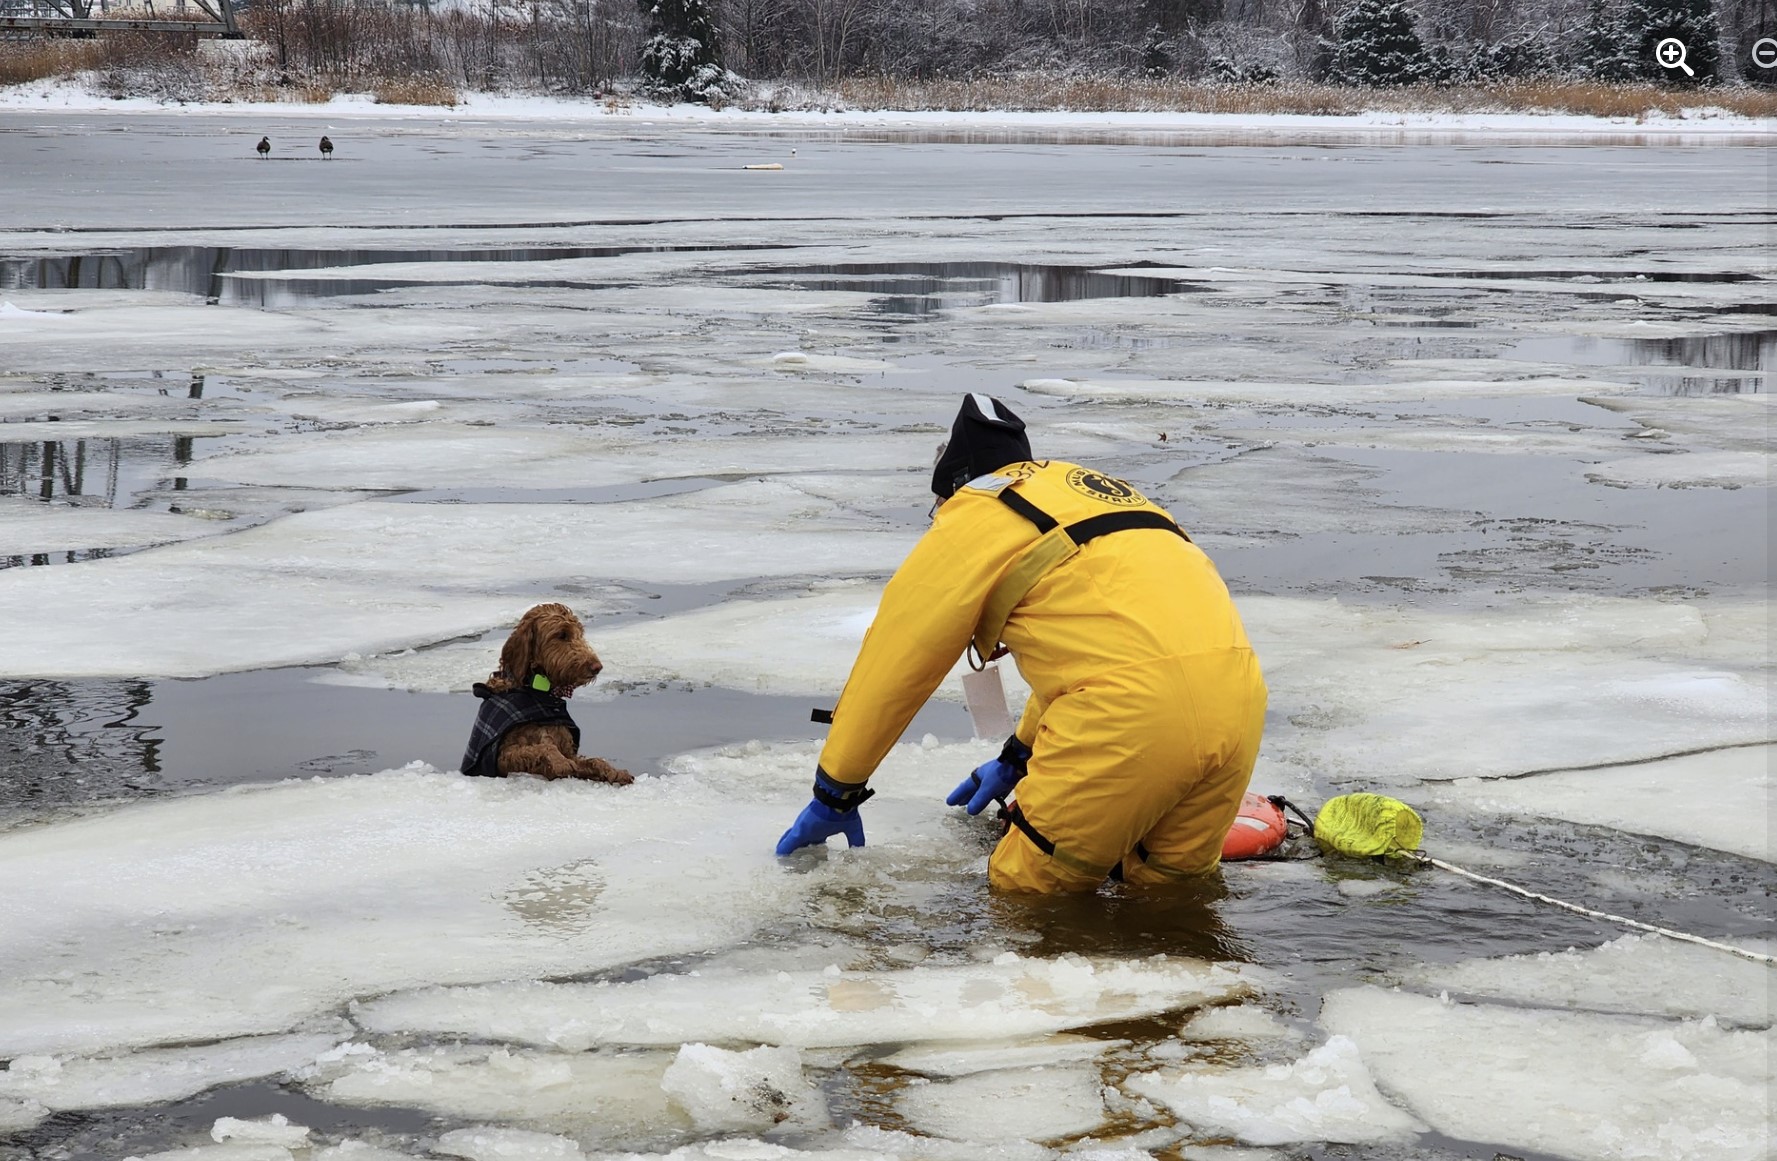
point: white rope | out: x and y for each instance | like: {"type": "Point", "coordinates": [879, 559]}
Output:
{"type": "Point", "coordinates": [1757, 956]}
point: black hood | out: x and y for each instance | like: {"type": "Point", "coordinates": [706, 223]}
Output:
{"type": "Point", "coordinates": [985, 437]}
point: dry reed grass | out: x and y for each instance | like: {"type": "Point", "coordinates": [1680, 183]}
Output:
{"type": "Point", "coordinates": [1117, 94]}
{"type": "Point", "coordinates": [317, 91]}
{"type": "Point", "coordinates": [22, 61]}
{"type": "Point", "coordinates": [430, 89]}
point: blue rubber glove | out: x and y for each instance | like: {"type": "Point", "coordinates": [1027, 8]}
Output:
{"type": "Point", "coordinates": [992, 781]}
{"type": "Point", "coordinates": [834, 810]}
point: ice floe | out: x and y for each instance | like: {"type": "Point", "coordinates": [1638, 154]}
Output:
{"type": "Point", "coordinates": [251, 911]}
{"type": "Point", "coordinates": [753, 1090]}
{"type": "Point", "coordinates": [29, 526]}
{"type": "Point", "coordinates": [57, 1084]}
{"type": "Point", "coordinates": [376, 576]}
{"type": "Point", "coordinates": [614, 1097]}
{"type": "Point", "coordinates": [273, 1130]}
{"type": "Point", "coordinates": [394, 454]}
{"type": "Point", "coordinates": [1633, 975]}
{"type": "Point", "coordinates": [1583, 1086]}
{"type": "Point", "coordinates": [1036, 1104]}
{"type": "Point", "coordinates": [251, 1151]}
{"type": "Point", "coordinates": [1286, 392]}
{"type": "Point", "coordinates": [829, 1008]}
{"type": "Point", "coordinates": [499, 1144]}
{"type": "Point", "coordinates": [1708, 799]}
{"type": "Point", "coordinates": [1724, 469]}
{"type": "Point", "coordinates": [952, 1060]}
{"type": "Point", "coordinates": [1243, 1022]}
{"type": "Point", "coordinates": [1327, 1095]}
{"type": "Point", "coordinates": [1380, 693]}
{"type": "Point", "coordinates": [723, 645]}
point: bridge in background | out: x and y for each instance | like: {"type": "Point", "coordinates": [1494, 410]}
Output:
{"type": "Point", "coordinates": [77, 17]}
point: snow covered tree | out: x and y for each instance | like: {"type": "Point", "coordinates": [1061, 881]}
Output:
{"type": "Point", "coordinates": [682, 52]}
{"type": "Point", "coordinates": [1376, 43]}
{"type": "Point", "coordinates": [1606, 50]}
{"type": "Point", "coordinates": [1692, 21]}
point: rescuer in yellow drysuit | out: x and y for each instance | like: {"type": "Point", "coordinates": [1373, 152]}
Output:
{"type": "Point", "coordinates": [1146, 701]}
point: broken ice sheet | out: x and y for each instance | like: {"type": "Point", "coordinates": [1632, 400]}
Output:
{"type": "Point", "coordinates": [953, 1060]}
{"type": "Point", "coordinates": [1576, 1085]}
{"type": "Point", "coordinates": [30, 526]}
{"type": "Point", "coordinates": [612, 1097]}
{"type": "Point", "coordinates": [492, 1143]}
{"type": "Point", "coordinates": [1327, 1095]}
{"type": "Point", "coordinates": [58, 1084]}
{"type": "Point", "coordinates": [752, 1090]}
{"type": "Point", "coordinates": [723, 645]}
{"type": "Point", "coordinates": [1036, 1104]}
{"type": "Point", "coordinates": [439, 454]}
{"type": "Point", "coordinates": [1302, 393]}
{"type": "Point", "coordinates": [1247, 1023]}
{"type": "Point", "coordinates": [813, 1009]}
{"type": "Point", "coordinates": [249, 911]}
{"type": "Point", "coordinates": [1379, 694]}
{"type": "Point", "coordinates": [376, 576]}
{"type": "Point", "coordinates": [1635, 974]}
{"type": "Point", "coordinates": [1721, 469]}
{"type": "Point", "coordinates": [1678, 798]}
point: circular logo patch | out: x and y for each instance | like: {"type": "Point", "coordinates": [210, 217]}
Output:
{"type": "Point", "coordinates": [1107, 488]}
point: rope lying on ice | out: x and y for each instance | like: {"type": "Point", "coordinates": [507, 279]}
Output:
{"type": "Point", "coordinates": [1756, 956]}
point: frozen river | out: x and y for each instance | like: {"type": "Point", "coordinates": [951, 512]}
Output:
{"type": "Point", "coordinates": [1477, 430]}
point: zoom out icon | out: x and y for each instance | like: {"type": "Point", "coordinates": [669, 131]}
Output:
{"type": "Point", "coordinates": [1764, 53]}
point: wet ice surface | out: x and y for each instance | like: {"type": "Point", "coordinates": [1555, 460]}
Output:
{"type": "Point", "coordinates": [1479, 436]}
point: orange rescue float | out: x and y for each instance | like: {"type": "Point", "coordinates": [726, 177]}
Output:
{"type": "Point", "coordinates": [1258, 830]}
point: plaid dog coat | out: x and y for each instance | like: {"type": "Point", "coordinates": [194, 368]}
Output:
{"type": "Point", "coordinates": [501, 713]}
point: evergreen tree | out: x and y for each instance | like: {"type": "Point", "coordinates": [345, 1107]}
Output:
{"type": "Point", "coordinates": [1376, 43]}
{"type": "Point", "coordinates": [1606, 49]}
{"type": "Point", "coordinates": [682, 54]}
{"type": "Point", "coordinates": [1692, 21]}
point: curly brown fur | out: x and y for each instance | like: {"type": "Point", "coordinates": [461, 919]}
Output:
{"type": "Point", "coordinates": [549, 640]}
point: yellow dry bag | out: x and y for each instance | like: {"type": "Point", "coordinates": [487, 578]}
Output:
{"type": "Point", "coordinates": [1366, 825]}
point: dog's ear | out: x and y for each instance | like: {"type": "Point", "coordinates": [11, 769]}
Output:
{"type": "Point", "coordinates": [518, 658]}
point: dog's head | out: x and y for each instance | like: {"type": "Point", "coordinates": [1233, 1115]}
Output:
{"type": "Point", "coordinates": [551, 641]}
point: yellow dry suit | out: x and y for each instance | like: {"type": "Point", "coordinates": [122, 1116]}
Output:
{"type": "Point", "coordinates": [1146, 701]}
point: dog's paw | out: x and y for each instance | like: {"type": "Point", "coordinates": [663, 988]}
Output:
{"type": "Point", "coordinates": [599, 770]}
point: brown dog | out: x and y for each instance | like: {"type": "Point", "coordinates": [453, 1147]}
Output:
{"type": "Point", "coordinates": [523, 726]}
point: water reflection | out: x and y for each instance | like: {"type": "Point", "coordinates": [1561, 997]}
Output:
{"type": "Point", "coordinates": [924, 288]}
{"type": "Point", "coordinates": [1748, 351]}
{"type": "Point", "coordinates": [92, 473]}
{"type": "Point", "coordinates": [206, 270]}
{"type": "Point", "coordinates": [63, 743]}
